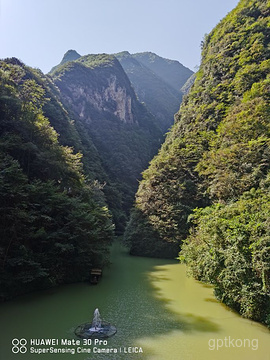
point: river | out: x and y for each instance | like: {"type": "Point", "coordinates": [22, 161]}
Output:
{"type": "Point", "coordinates": [159, 312]}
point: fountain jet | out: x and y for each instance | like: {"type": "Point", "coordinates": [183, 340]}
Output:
{"type": "Point", "coordinates": [98, 328]}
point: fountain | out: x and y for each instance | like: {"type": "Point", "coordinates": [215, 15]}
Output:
{"type": "Point", "coordinates": [98, 328]}
{"type": "Point", "coordinates": [96, 323]}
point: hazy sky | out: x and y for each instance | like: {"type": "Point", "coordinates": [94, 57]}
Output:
{"type": "Point", "coordinates": [39, 32]}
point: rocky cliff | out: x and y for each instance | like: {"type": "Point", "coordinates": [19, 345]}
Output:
{"type": "Point", "coordinates": [97, 91]}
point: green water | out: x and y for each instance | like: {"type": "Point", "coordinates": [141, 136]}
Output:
{"type": "Point", "coordinates": [155, 307]}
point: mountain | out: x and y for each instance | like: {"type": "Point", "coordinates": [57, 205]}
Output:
{"type": "Point", "coordinates": [209, 185]}
{"type": "Point", "coordinates": [55, 223]}
{"type": "Point", "coordinates": [154, 80]}
{"type": "Point", "coordinates": [158, 95]}
{"type": "Point", "coordinates": [70, 55]}
{"type": "Point", "coordinates": [171, 71]}
{"type": "Point", "coordinates": [97, 91]}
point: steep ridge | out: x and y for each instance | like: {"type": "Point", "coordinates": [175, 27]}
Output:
{"type": "Point", "coordinates": [158, 95]}
{"type": "Point", "coordinates": [171, 71]}
{"type": "Point", "coordinates": [97, 91]}
{"type": "Point", "coordinates": [216, 158]}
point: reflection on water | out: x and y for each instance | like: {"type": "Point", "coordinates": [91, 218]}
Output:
{"type": "Point", "coordinates": [153, 305]}
{"type": "Point", "coordinates": [210, 331]}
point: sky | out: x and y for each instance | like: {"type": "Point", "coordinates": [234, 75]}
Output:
{"type": "Point", "coordinates": [39, 32]}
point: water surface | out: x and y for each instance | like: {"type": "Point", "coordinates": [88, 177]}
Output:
{"type": "Point", "coordinates": [155, 308]}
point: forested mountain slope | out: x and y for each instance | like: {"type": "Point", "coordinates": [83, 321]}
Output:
{"type": "Point", "coordinates": [54, 221]}
{"type": "Point", "coordinates": [216, 159]}
{"type": "Point", "coordinates": [171, 71]}
{"type": "Point", "coordinates": [161, 98]}
{"type": "Point", "coordinates": [97, 91]}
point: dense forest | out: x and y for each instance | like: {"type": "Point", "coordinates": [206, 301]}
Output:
{"type": "Point", "coordinates": [73, 145]}
{"type": "Point", "coordinates": [208, 188]}
{"type": "Point", "coordinates": [55, 224]}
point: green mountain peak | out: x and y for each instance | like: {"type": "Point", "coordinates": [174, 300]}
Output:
{"type": "Point", "coordinates": [70, 55]}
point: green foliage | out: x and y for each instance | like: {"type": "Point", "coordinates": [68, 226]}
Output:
{"type": "Point", "coordinates": [145, 237]}
{"type": "Point", "coordinates": [54, 223]}
{"type": "Point", "coordinates": [217, 158]}
{"type": "Point", "coordinates": [169, 192]}
{"type": "Point", "coordinates": [230, 248]}
{"type": "Point", "coordinates": [95, 61]}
